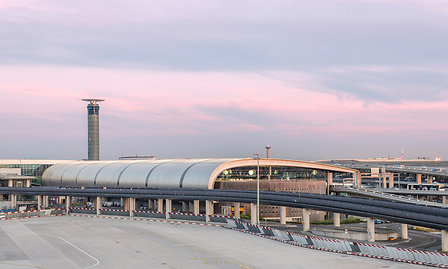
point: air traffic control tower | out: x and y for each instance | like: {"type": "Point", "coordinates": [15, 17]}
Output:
{"type": "Point", "coordinates": [93, 129]}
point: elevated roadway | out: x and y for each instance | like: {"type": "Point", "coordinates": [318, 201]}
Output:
{"type": "Point", "coordinates": [396, 211]}
{"type": "Point", "coordinates": [393, 195]}
{"type": "Point", "coordinates": [436, 172]}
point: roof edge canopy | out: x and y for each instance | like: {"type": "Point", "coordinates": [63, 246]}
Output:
{"type": "Point", "coordinates": [172, 173]}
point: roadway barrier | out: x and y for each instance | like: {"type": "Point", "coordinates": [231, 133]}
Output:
{"type": "Point", "coordinates": [153, 214]}
{"type": "Point", "coordinates": [240, 226]}
{"type": "Point", "coordinates": [300, 239]}
{"type": "Point", "coordinates": [219, 218]}
{"type": "Point", "coordinates": [57, 212]}
{"type": "Point", "coordinates": [32, 213]}
{"type": "Point", "coordinates": [253, 228]}
{"type": "Point", "coordinates": [231, 224]}
{"type": "Point", "coordinates": [267, 231]}
{"type": "Point", "coordinates": [114, 212]}
{"type": "Point", "coordinates": [187, 216]}
{"type": "Point", "coordinates": [149, 214]}
{"type": "Point", "coordinates": [412, 256]}
{"type": "Point", "coordinates": [83, 210]}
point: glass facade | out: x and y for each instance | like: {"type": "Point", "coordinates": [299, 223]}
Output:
{"type": "Point", "coordinates": [277, 173]}
{"type": "Point", "coordinates": [93, 109]}
{"type": "Point", "coordinates": [28, 169]}
{"type": "Point", "coordinates": [35, 170]}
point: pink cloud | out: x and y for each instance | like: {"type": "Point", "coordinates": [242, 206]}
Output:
{"type": "Point", "coordinates": [174, 102]}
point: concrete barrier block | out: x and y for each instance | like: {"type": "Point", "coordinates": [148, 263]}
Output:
{"type": "Point", "coordinates": [300, 239]}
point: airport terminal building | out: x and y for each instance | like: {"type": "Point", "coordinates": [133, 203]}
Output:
{"type": "Point", "coordinates": [239, 174]}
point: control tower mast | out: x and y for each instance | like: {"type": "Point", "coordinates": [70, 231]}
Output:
{"type": "Point", "coordinates": [93, 129]}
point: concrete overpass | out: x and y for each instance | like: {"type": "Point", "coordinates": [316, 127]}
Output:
{"type": "Point", "coordinates": [420, 172]}
{"type": "Point", "coordinates": [394, 195]}
{"type": "Point", "coordinates": [405, 213]}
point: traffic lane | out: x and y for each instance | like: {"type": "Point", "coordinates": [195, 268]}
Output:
{"type": "Point", "coordinates": [142, 244]}
{"type": "Point", "coordinates": [40, 250]}
{"type": "Point", "coordinates": [418, 239]}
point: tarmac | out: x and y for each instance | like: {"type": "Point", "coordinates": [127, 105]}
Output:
{"type": "Point", "coordinates": [79, 242]}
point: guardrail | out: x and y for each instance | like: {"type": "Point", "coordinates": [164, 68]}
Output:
{"type": "Point", "coordinates": [151, 214]}
{"type": "Point", "coordinates": [427, 258]}
{"type": "Point", "coordinates": [32, 213]}
{"type": "Point", "coordinates": [385, 194]}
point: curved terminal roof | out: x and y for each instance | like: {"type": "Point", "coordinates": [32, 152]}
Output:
{"type": "Point", "coordinates": [172, 173]}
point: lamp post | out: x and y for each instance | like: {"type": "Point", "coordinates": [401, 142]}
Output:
{"type": "Point", "coordinates": [257, 157]}
{"type": "Point", "coordinates": [268, 155]}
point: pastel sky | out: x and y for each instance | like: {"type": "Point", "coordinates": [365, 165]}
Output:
{"type": "Point", "coordinates": [319, 79]}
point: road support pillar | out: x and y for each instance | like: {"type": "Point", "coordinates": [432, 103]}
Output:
{"type": "Point", "coordinates": [45, 202]}
{"type": "Point", "coordinates": [126, 204]}
{"type": "Point", "coordinates": [184, 207]}
{"type": "Point", "coordinates": [39, 202]}
{"type": "Point", "coordinates": [329, 182]}
{"type": "Point", "coordinates": [384, 179]}
{"type": "Point", "coordinates": [429, 179]}
{"type": "Point", "coordinates": [150, 204]}
{"type": "Point", "coordinates": [168, 207]}
{"type": "Point", "coordinates": [196, 207]}
{"type": "Point", "coordinates": [190, 207]}
{"type": "Point", "coordinates": [131, 207]}
{"type": "Point", "coordinates": [236, 210]}
{"type": "Point", "coordinates": [443, 199]}
{"type": "Point", "coordinates": [419, 178]}
{"type": "Point", "coordinates": [208, 210]}
{"type": "Point", "coordinates": [13, 200]}
{"type": "Point", "coordinates": [371, 230]}
{"type": "Point", "coordinates": [444, 240]}
{"type": "Point", "coordinates": [283, 215]}
{"type": "Point", "coordinates": [336, 220]}
{"type": "Point", "coordinates": [68, 204]}
{"type": "Point", "coordinates": [253, 214]}
{"type": "Point", "coordinates": [357, 180]}
{"type": "Point", "coordinates": [391, 180]}
{"type": "Point", "coordinates": [306, 219]}
{"type": "Point", "coordinates": [98, 205]}
{"type": "Point", "coordinates": [404, 231]}
{"type": "Point", "coordinates": [159, 205]}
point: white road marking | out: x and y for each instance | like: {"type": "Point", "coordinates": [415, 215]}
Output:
{"type": "Point", "coordinates": [96, 260]}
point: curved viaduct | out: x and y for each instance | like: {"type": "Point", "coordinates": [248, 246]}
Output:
{"type": "Point", "coordinates": [194, 180]}
{"type": "Point", "coordinates": [426, 216]}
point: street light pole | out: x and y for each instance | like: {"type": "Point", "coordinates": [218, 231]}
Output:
{"type": "Point", "coordinates": [257, 157]}
{"type": "Point", "coordinates": [268, 155]}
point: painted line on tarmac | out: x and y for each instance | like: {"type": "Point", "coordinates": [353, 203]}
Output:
{"type": "Point", "coordinates": [96, 260]}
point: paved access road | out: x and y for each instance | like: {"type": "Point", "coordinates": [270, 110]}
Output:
{"type": "Point", "coordinates": [417, 239]}
{"type": "Point", "coordinates": [79, 242]}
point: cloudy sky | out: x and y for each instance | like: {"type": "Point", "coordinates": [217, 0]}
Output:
{"type": "Point", "coordinates": [318, 79]}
